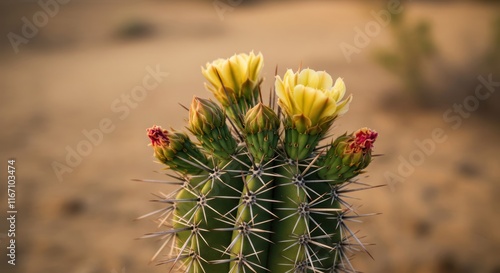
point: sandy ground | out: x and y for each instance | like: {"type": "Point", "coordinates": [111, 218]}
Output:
{"type": "Point", "coordinates": [74, 74]}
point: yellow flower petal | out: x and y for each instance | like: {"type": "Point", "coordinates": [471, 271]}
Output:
{"type": "Point", "coordinates": [255, 65]}
{"type": "Point", "coordinates": [303, 98]}
{"type": "Point", "coordinates": [240, 73]}
{"type": "Point", "coordinates": [283, 98]}
{"type": "Point", "coordinates": [338, 90]}
{"type": "Point", "coordinates": [290, 78]}
{"type": "Point", "coordinates": [306, 77]}
{"type": "Point", "coordinates": [210, 74]}
{"type": "Point", "coordinates": [343, 106]}
{"type": "Point", "coordinates": [298, 98]}
{"type": "Point", "coordinates": [321, 107]}
{"type": "Point", "coordinates": [325, 80]}
{"type": "Point", "coordinates": [311, 94]}
{"type": "Point", "coordinates": [301, 122]}
{"type": "Point", "coordinates": [228, 77]}
{"type": "Point", "coordinates": [330, 109]}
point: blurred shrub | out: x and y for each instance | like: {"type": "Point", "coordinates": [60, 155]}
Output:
{"type": "Point", "coordinates": [414, 54]}
{"type": "Point", "coordinates": [492, 55]}
{"type": "Point", "coordinates": [413, 46]}
{"type": "Point", "coordinates": [134, 28]}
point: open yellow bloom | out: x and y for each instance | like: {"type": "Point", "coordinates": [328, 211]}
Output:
{"type": "Point", "coordinates": [311, 97]}
{"type": "Point", "coordinates": [235, 78]}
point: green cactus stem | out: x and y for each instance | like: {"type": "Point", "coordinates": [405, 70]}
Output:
{"type": "Point", "coordinates": [255, 193]}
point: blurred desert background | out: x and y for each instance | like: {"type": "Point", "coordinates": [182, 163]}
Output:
{"type": "Point", "coordinates": [408, 71]}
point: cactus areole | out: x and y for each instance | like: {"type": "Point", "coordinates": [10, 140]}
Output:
{"type": "Point", "coordinates": [254, 192]}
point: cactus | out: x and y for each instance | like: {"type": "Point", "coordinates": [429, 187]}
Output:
{"type": "Point", "coordinates": [257, 193]}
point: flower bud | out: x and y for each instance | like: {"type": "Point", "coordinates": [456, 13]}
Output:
{"type": "Point", "coordinates": [176, 150]}
{"type": "Point", "coordinates": [207, 122]}
{"type": "Point", "coordinates": [261, 132]}
{"type": "Point", "coordinates": [205, 116]}
{"type": "Point", "coordinates": [347, 156]}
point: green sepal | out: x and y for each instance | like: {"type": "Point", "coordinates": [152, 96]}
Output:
{"type": "Point", "coordinates": [261, 132]}
{"type": "Point", "coordinates": [299, 146]}
{"type": "Point", "coordinates": [176, 150]}
{"type": "Point", "coordinates": [341, 162]}
{"type": "Point", "coordinates": [207, 121]}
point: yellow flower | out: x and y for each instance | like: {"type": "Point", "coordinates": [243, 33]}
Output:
{"type": "Point", "coordinates": [310, 97]}
{"type": "Point", "coordinates": [235, 78]}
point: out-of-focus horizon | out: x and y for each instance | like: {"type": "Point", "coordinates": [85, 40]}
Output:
{"type": "Point", "coordinates": [82, 80]}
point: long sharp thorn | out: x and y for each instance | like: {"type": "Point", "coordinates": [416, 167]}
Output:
{"type": "Point", "coordinates": [253, 247]}
{"type": "Point", "coordinates": [153, 212]}
{"type": "Point", "coordinates": [228, 185]}
{"type": "Point", "coordinates": [197, 164]}
{"type": "Point", "coordinates": [242, 163]}
{"type": "Point", "coordinates": [187, 109]}
{"type": "Point", "coordinates": [266, 210]}
{"type": "Point", "coordinates": [160, 249]}
{"type": "Point", "coordinates": [310, 165]}
{"type": "Point", "coordinates": [158, 181]}
{"type": "Point", "coordinates": [235, 129]}
{"type": "Point", "coordinates": [357, 240]}
{"type": "Point", "coordinates": [270, 161]}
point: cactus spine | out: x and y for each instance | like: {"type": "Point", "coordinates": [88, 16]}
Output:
{"type": "Point", "coordinates": [256, 193]}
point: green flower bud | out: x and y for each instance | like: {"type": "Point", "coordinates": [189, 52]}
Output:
{"type": "Point", "coordinates": [205, 116]}
{"type": "Point", "coordinates": [261, 132]}
{"type": "Point", "coordinates": [176, 150]}
{"type": "Point", "coordinates": [347, 156]}
{"type": "Point", "coordinates": [207, 122]}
